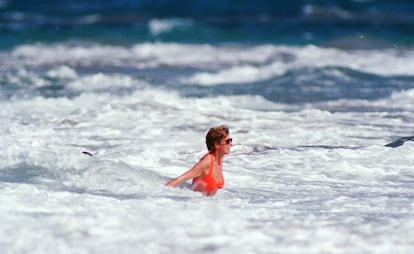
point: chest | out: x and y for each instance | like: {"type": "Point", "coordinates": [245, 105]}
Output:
{"type": "Point", "coordinates": [216, 171]}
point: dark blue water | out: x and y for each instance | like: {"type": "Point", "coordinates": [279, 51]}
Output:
{"type": "Point", "coordinates": [347, 25]}
{"type": "Point", "coordinates": [217, 21]}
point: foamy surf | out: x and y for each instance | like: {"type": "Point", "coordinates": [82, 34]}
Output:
{"type": "Point", "coordinates": [309, 170]}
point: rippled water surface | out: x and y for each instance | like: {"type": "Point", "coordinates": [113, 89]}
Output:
{"type": "Point", "coordinates": [310, 108]}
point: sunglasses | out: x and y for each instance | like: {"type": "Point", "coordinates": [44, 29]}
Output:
{"type": "Point", "coordinates": [228, 141]}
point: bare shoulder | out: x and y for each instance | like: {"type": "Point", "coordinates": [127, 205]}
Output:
{"type": "Point", "coordinates": [204, 163]}
{"type": "Point", "coordinates": [205, 159]}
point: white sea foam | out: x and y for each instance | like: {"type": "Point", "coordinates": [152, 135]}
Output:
{"type": "Point", "coordinates": [160, 26]}
{"type": "Point", "coordinates": [103, 82]}
{"type": "Point", "coordinates": [240, 75]}
{"type": "Point", "coordinates": [301, 178]}
{"type": "Point", "coordinates": [62, 72]}
{"type": "Point", "coordinates": [219, 64]}
{"type": "Point", "coordinates": [276, 193]}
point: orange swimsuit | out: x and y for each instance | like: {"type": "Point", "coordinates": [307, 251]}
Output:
{"type": "Point", "coordinates": [208, 184]}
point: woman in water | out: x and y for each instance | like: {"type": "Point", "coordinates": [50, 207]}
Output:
{"type": "Point", "coordinates": [207, 174]}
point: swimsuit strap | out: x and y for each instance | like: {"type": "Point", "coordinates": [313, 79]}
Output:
{"type": "Point", "coordinates": [211, 163]}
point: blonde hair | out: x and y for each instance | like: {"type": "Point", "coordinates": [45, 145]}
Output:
{"type": "Point", "coordinates": [215, 135]}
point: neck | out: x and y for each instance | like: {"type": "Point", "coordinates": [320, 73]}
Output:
{"type": "Point", "coordinates": [218, 157]}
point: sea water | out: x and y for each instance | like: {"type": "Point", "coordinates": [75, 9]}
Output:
{"type": "Point", "coordinates": [308, 171]}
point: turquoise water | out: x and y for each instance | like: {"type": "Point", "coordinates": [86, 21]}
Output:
{"type": "Point", "coordinates": [123, 22]}
{"type": "Point", "coordinates": [348, 25]}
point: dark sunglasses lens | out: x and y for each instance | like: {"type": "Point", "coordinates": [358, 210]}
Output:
{"type": "Point", "coordinates": [228, 141]}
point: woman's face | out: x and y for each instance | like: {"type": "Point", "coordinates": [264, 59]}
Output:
{"type": "Point", "coordinates": [225, 144]}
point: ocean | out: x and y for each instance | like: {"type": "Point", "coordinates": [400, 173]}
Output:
{"type": "Point", "coordinates": [312, 92]}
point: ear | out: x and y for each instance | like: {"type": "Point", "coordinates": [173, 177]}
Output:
{"type": "Point", "coordinates": [216, 146]}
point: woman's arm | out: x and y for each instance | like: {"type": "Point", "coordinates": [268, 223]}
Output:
{"type": "Point", "coordinates": [199, 169]}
